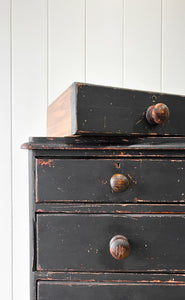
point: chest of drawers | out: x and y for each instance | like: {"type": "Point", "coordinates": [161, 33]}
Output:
{"type": "Point", "coordinates": [95, 200]}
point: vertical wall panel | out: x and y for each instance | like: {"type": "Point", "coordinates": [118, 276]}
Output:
{"type": "Point", "coordinates": [104, 42]}
{"type": "Point", "coordinates": [173, 76]}
{"type": "Point", "coordinates": [29, 103]}
{"type": "Point", "coordinates": [5, 132]}
{"type": "Point", "coordinates": [142, 44]}
{"type": "Point", "coordinates": [66, 44]}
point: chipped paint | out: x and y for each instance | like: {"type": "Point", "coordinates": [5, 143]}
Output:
{"type": "Point", "coordinates": [45, 162]}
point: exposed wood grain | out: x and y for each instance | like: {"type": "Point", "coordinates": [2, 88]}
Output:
{"type": "Point", "coordinates": [59, 115]}
{"type": "Point", "coordinates": [107, 278]}
{"type": "Point", "coordinates": [85, 208]}
{"type": "Point", "coordinates": [157, 114]}
{"type": "Point", "coordinates": [104, 141]}
{"type": "Point", "coordinates": [119, 247]}
{"type": "Point", "coordinates": [119, 183]}
{"type": "Point", "coordinates": [111, 277]}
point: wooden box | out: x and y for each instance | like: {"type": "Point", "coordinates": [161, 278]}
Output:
{"type": "Point", "coordinates": [85, 109]}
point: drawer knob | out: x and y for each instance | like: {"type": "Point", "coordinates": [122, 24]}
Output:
{"type": "Point", "coordinates": [119, 183]}
{"type": "Point", "coordinates": [119, 247]}
{"type": "Point", "coordinates": [157, 114]}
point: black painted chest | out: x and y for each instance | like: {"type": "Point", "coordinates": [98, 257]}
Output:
{"type": "Point", "coordinates": [107, 217]}
{"type": "Point", "coordinates": [75, 213]}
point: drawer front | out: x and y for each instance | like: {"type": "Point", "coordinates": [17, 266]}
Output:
{"type": "Point", "coordinates": [107, 110]}
{"type": "Point", "coordinates": [77, 242]}
{"type": "Point", "coordinates": [109, 291]}
{"type": "Point", "coordinates": [88, 180]}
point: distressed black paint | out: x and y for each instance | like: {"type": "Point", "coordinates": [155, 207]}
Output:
{"type": "Point", "coordinates": [108, 291]}
{"type": "Point", "coordinates": [88, 180]}
{"type": "Point", "coordinates": [91, 110]}
{"type": "Point", "coordinates": [105, 110]}
{"type": "Point", "coordinates": [157, 175]}
{"type": "Point", "coordinates": [157, 242]}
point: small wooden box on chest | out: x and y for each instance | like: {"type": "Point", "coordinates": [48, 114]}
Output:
{"type": "Point", "coordinates": [107, 211]}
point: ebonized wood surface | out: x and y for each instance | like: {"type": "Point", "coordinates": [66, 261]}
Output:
{"type": "Point", "coordinates": [70, 228]}
{"type": "Point", "coordinates": [81, 242]}
{"type": "Point", "coordinates": [83, 291]}
{"type": "Point", "coordinates": [88, 180]}
{"type": "Point", "coordinates": [92, 109]}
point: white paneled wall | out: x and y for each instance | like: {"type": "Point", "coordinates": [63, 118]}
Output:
{"type": "Point", "coordinates": [29, 104]}
{"type": "Point", "coordinates": [45, 46]}
{"type": "Point", "coordinates": [173, 46]}
{"type": "Point", "coordinates": [66, 44]}
{"type": "Point", "coordinates": [5, 132]}
{"type": "Point", "coordinates": [142, 44]}
{"type": "Point", "coordinates": [104, 36]}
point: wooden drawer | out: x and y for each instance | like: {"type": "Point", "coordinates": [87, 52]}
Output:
{"type": "Point", "coordinates": [110, 291]}
{"type": "Point", "coordinates": [91, 109]}
{"type": "Point", "coordinates": [80, 242]}
{"type": "Point", "coordinates": [88, 180]}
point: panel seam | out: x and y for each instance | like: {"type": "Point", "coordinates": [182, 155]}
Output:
{"type": "Point", "coordinates": [11, 144]}
{"type": "Point", "coordinates": [123, 42]}
{"type": "Point", "coordinates": [85, 41]}
{"type": "Point", "coordinates": [47, 51]}
{"type": "Point", "coordinates": [161, 54]}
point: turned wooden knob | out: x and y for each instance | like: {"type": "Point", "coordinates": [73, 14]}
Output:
{"type": "Point", "coordinates": [157, 114]}
{"type": "Point", "coordinates": [119, 183]}
{"type": "Point", "coordinates": [119, 247]}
